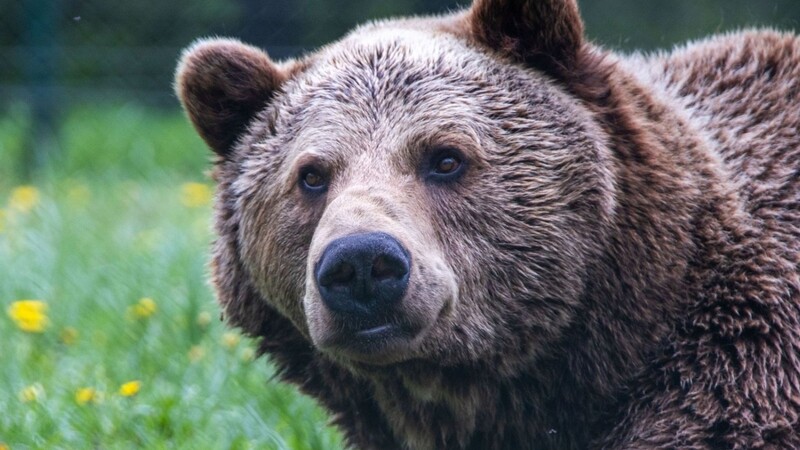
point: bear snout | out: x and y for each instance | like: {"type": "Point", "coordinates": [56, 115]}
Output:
{"type": "Point", "coordinates": [376, 282]}
{"type": "Point", "coordinates": [363, 276]}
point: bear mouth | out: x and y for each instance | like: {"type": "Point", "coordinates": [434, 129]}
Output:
{"type": "Point", "coordinates": [376, 332]}
{"type": "Point", "coordinates": [380, 344]}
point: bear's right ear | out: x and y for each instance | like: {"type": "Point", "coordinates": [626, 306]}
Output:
{"type": "Point", "coordinates": [222, 84]}
{"type": "Point", "coordinates": [546, 34]}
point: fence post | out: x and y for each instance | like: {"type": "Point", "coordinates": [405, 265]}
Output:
{"type": "Point", "coordinates": [40, 54]}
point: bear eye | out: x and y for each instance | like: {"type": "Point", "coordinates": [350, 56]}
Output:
{"type": "Point", "coordinates": [312, 179]}
{"type": "Point", "coordinates": [446, 165]}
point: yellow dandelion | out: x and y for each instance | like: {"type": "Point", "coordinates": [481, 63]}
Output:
{"type": "Point", "coordinates": [143, 309]}
{"type": "Point", "coordinates": [196, 353]}
{"type": "Point", "coordinates": [230, 340]}
{"type": "Point", "coordinates": [194, 195]}
{"type": "Point", "coordinates": [29, 315]}
{"type": "Point", "coordinates": [32, 393]}
{"type": "Point", "coordinates": [130, 388]}
{"type": "Point", "coordinates": [203, 319]}
{"type": "Point", "coordinates": [24, 198]}
{"type": "Point", "coordinates": [68, 336]}
{"type": "Point", "coordinates": [86, 395]}
{"type": "Point", "coordinates": [248, 354]}
{"type": "Point", "coordinates": [146, 307]}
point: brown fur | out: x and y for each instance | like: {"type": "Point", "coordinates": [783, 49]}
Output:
{"type": "Point", "coordinates": [617, 268]}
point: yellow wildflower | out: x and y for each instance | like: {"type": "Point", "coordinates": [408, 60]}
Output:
{"type": "Point", "coordinates": [29, 315]}
{"type": "Point", "coordinates": [143, 309]}
{"type": "Point", "coordinates": [195, 195]}
{"type": "Point", "coordinates": [248, 354]}
{"type": "Point", "coordinates": [86, 395]}
{"type": "Point", "coordinates": [196, 353]}
{"type": "Point", "coordinates": [130, 388]}
{"type": "Point", "coordinates": [146, 307]}
{"type": "Point", "coordinates": [230, 340]}
{"type": "Point", "coordinates": [203, 319]}
{"type": "Point", "coordinates": [4, 446]}
{"type": "Point", "coordinates": [24, 198]}
{"type": "Point", "coordinates": [31, 393]}
{"type": "Point", "coordinates": [68, 335]}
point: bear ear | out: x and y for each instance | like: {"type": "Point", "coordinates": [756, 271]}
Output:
{"type": "Point", "coordinates": [222, 84]}
{"type": "Point", "coordinates": [546, 34]}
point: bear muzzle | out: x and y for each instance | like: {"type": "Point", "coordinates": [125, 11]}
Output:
{"type": "Point", "coordinates": [376, 283]}
{"type": "Point", "coordinates": [362, 280]}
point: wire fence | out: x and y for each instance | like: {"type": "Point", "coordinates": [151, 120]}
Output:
{"type": "Point", "coordinates": [58, 54]}
{"type": "Point", "coordinates": [94, 50]}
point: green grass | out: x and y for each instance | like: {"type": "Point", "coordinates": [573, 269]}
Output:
{"type": "Point", "coordinates": [108, 229]}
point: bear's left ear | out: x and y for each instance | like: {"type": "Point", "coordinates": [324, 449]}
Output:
{"type": "Point", "coordinates": [222, 84]}
{"type": "Point", "coordinates": [546, 34]}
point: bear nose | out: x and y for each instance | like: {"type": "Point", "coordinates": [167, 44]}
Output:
{"type": "Point", "coordinates": [363, 274]}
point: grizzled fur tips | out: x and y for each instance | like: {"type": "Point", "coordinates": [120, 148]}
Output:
{"type": "Point", "coordinates": [594, 250]}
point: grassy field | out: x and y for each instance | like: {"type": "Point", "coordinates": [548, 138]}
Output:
{"type": "Point", "coordinates": [120, 345]}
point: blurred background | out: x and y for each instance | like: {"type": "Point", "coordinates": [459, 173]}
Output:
{"type": "Point", "coordinates": [109, 335]}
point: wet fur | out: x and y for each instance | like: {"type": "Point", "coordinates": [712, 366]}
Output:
{"type": "Point", "coordinates": [626, 254]}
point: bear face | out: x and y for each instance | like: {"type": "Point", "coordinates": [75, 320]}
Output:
{"type": "Point", "coordinates": [480, 231]}
{"type": "Point", "coordinates": [498, 197]}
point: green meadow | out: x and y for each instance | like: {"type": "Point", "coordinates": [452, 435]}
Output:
{"type": "Point", "coordinates": [110, 337]}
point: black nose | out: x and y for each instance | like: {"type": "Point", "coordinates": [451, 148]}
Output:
{"type": "Point", "coordinates": [363, 274]}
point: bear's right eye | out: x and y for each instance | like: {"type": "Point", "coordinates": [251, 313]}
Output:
{"type": "Point", "coordinates": [312, 179]}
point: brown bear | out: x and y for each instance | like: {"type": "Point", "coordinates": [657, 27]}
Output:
{"type": "Point", "coordinates": [482, 231]}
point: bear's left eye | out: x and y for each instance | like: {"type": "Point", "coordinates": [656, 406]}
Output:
{"type": "Point", "coordinates": [447, 164]}
{"type": "Point", "coordinates": [313, 180]}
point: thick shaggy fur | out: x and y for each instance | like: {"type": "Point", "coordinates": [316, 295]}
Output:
{"type": "Point", "coordinates": [619, 266]}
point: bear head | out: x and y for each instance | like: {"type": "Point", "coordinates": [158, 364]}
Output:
{"type": "Point", "coordinates": [421, 190]}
